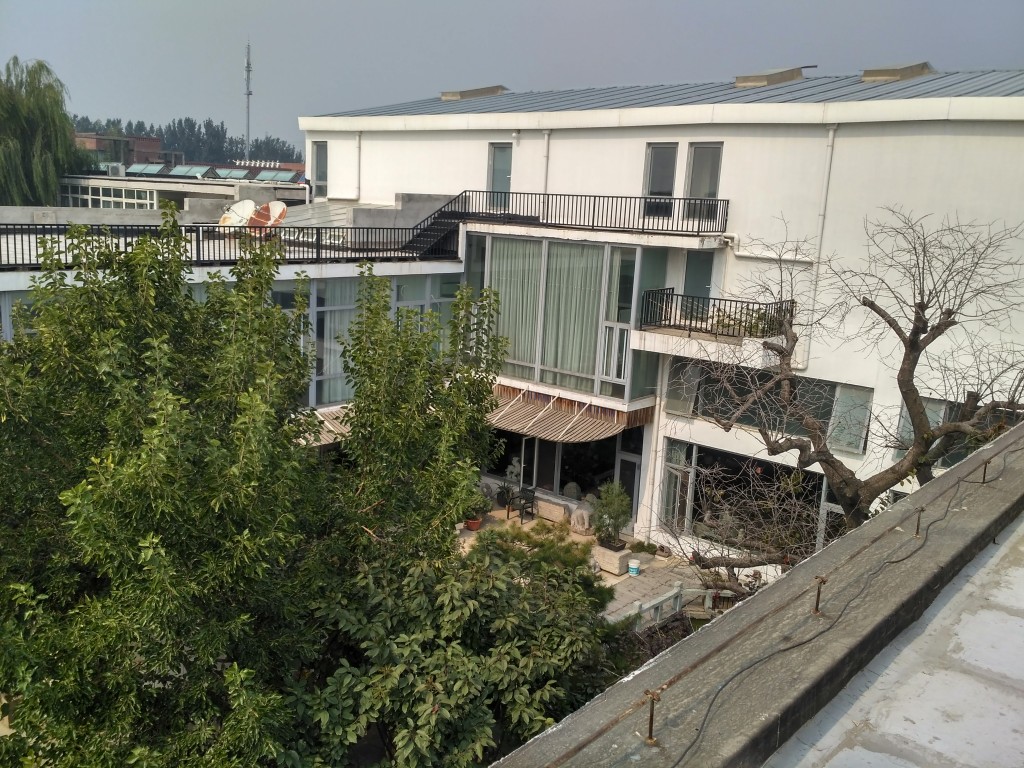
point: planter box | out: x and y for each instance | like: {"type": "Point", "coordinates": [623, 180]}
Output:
{"type": "Point", "coordinates": [551, 510]}
{"type": "Point", "coordinates": [613, 562]}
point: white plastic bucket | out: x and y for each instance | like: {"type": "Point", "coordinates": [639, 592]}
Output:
{"type": "Point", "coordinates": [634, 567]}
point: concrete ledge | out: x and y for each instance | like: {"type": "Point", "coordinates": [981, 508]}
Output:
{"type": "Point", "coordinates": [611, 561]}
{"type": "Point", "coordinates": [736, 690]}
{"type": "Point", "coordinates": [551, 510]}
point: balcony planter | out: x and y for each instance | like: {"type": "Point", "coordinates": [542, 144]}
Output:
{"type": "Point", "coordinates": [612, 510]}
{"type": "Point", "coordinates": [611, 562]}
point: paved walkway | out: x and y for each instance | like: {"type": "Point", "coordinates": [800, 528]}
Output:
{"type": "Point", "coordinates": [657, 576]}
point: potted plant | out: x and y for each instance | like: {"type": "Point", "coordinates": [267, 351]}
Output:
{"type": "Point", "coordinates": [479, 505]}
{"type": "Point", "coordinates": [612, 509]}
{"type": "Point", "coordinates": [505, 494]}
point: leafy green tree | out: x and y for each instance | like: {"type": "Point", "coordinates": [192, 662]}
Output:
{"type": "Point", "coordinates": [450, 663]}
{"type": "Point", "coordinates": [418, 419]}
{"type": "Point", "coordinates": [183, 583]}
{"type": "Point", "coordinates": [37, 140]}
{"type": "Point", "coordinates": [155, 476]}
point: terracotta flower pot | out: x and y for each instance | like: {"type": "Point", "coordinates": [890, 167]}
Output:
{"type": "Point", "coordinates": [474, 523]}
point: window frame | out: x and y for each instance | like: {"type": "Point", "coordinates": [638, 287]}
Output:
{"type": "Point", "coordinates": [320, 166]}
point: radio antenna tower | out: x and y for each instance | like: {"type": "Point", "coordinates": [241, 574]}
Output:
{"type": "Point", "coordinates": [248, 95]}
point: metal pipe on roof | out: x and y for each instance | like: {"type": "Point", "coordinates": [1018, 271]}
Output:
{"type": "Point", "coordinates": [825, 182]}
{"type": "Point", "coordinates": [547, 150]}
{"type": "Point", "coordinates": [359, 162]}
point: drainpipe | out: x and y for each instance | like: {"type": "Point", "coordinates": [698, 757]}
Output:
{"type": "Point", "coordinates": [547, 152]}
{"type": "Point", "coordinates": [359, 163]}
{"type": "Point", "coordinates": [825, 181]}
{"type": "Point", "coordinates": [650, 487]}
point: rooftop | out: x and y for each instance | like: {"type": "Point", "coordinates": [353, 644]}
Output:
{"type": "Point", "coordinates": [803, 90]}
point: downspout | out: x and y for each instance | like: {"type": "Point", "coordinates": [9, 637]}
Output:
{"type": "Point", "coordinates": [825, 183]}
{"type": "Point", "coordinates": [651, 487]}
{"type": "Point", "coordinates": [547, 154]}
{"type": "Point", "coordinates": [359, 163]}
{"type": "Point", "coordinates": [547, 151]}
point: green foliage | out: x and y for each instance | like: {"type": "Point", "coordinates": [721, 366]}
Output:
{"type": "Point", "coordinates": [452, 664]}
{"type": "Point", "coordinates": [418, 420]}
{"type": "Point", "coordinates": [182, 583]}
{"type": "Point", "coordinates": [643, 546]}
{"type": "Point", "coordinates": [154, 474]}
{"type": "Point", "coordinates": [612, 510]}
{"type": "Point", "coordinates": [37, 140]}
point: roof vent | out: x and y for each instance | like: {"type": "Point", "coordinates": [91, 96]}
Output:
{"type": "Point", "coordinates": [473, 93]}
{"type": "Point", "coordinates": [890, 74]}
{"type": "Point", "coordinates": [771, 77]}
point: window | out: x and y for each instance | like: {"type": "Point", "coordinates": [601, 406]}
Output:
{"type": "Point", "coordinates": [335, 309]}
{"type": "Point", "coordinates": [694, 389]}
{"type": "Point", "coordinates": [705, 165]}
{"type": "Point", "coordinates": [660, 178]}
{"type": "Point", "coordinates": [319, 169]}
{"type": "Point", "coordinates": [940, 412]}
{"type": "Point", "coordinates": [572, 305]}
{"type": "Point", "coordinates": [567, 309]}
{"type": "Point", "coordinates": [676, 485]}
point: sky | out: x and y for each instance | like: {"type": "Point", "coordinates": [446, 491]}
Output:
{"type": "Point", "coordinates": [157, 60]}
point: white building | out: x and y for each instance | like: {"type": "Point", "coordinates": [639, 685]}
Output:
{"type": "Point", "coordinates": [586, 201]}
{"type": "Point", "coordinates": [565, 228]}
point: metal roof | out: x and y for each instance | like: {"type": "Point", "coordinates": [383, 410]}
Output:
{"type": "Point", "coordinates": [809, 90]}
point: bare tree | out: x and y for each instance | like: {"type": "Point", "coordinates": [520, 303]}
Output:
{"type": "Point", "coordinates": [934, 297]}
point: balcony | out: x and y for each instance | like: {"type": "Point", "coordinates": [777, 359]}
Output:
{"type": "Point", "coordinates": [436, 237]}
{"type": "Point", "coordinates": [663, 309]}
{"type": "Point", "coordinates": [694, 216]}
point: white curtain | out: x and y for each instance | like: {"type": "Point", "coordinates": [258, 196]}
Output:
{"type": "Point", "coordinates": [515, 275]}
{"type": "Point", "coordinates": [572, 305]}
{"type": "Point", "coordinates": [332, 385]}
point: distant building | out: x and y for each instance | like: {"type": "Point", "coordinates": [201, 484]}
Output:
{"type": "Point", "coordinates": [127, 150]}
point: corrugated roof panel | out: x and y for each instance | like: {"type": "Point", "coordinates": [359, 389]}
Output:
{"type": "Point", "coordinates": [810, 90]}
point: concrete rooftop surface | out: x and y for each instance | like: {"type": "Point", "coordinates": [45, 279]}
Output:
{"type": "Point", "coordinates": [944, 667]}
{"type": "Point", "coordinates": [949, 691]}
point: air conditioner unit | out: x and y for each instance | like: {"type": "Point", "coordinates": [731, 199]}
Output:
{"type": "Point", "coordinates": [115, 169]}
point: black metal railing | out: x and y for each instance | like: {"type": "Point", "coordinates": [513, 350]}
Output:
{"type": "Point", "coordinates": [670, 215]}
{"type": "Point", "coordinates": [436, 237]}
{"type": "Point", "coordinates": [663, 308]}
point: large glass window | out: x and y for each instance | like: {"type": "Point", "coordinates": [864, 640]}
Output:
{"type": "Point", "coordinates": [845, 408]}
{"type": "Point", "coordinates": [476, 247]}
{"type": "Point", "coordinates": [705, 166]}
{"type": "Point", "coordinates": [515, 274]}
{"type": "Point", "coordinates": [319, 169]}
{"type": "Point", "coordinates": [335, 308]}
{"type": "Point", "coordinates": [660, 178]}
{"type": "Point", "coordinates": [939, 412]}
{"type": "Point", "coordinates": [572, 304]}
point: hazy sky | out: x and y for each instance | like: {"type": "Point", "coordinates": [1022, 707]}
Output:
{"type": "Point", "coordinates": [159, 59]}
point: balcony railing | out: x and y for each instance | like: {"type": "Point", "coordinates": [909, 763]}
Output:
{"type": "Point", "coordinates": [436, 237]}
{"type": "Point", "coordinates": [671, 215]}
{"type": "Point", "coordinates": [663, 308]}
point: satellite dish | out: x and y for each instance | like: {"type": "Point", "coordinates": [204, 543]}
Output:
{"type": "Point", "coordinates": [237, 215]}
{"type": "Point", "coordinates": [268, 215]}
{"type": "Point", "coordinates": [278, 211]}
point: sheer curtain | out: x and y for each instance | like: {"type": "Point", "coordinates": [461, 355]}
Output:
{"type": "Point", "coordinates": [572, 305]}
{"type": "Point", "coordinates": [332, 386]}
{"type": "Point", "coordinates": [515, 275]}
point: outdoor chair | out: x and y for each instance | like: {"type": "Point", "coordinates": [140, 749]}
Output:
{"type": "Point", "coordinates": [525, 503]}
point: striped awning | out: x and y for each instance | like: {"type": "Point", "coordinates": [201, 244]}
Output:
{"type": "Point", "coordinates": [332, 425]}
{"type": "Point", "coordinates": [553, 418]}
